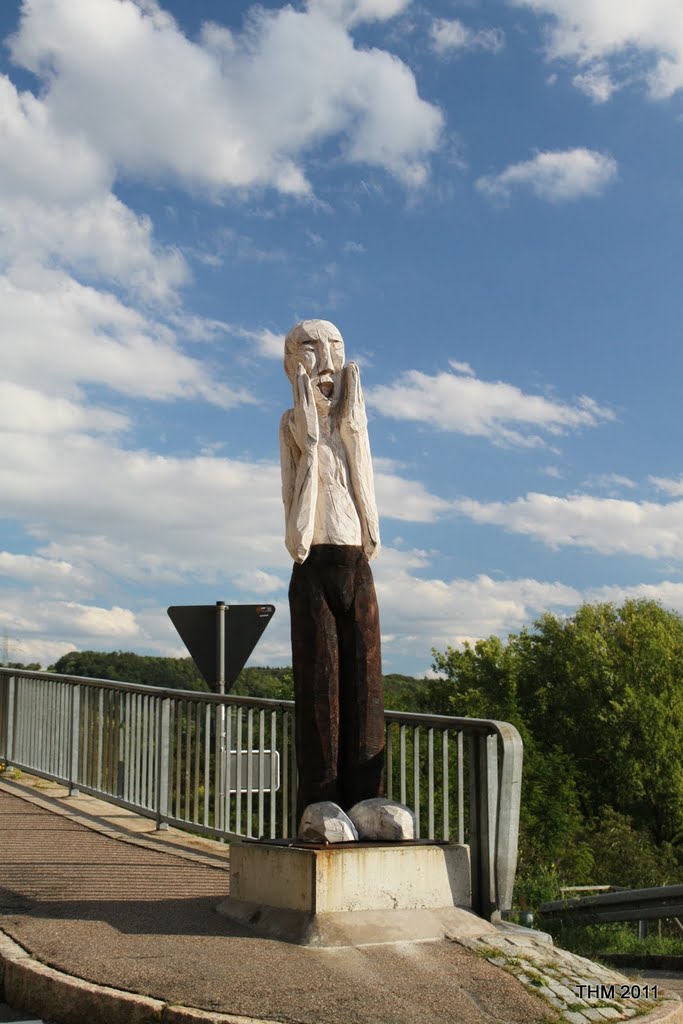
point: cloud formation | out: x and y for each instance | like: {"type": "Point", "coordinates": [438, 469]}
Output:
{"type": "Point", "coordinates": [556, 177]}
{"type": "Point", "coordinates": [353, 12]}
{"type": "Point", "coordinates": [232, 125]}
{"type": "Point", "coordinates": [436, 612]}
{"type": "Point", "coordinates": [605, 525]}
{"type": "Point", "coordinates": [670, 485]}
{"type": "Point", "coordinates": [450, 35]}
{"type": "Point", "coordinates": [66, 333]}
{"type": "Point", "coordinates": [615, 43]}
{"type": "Point", "coordinates": [458, 401]}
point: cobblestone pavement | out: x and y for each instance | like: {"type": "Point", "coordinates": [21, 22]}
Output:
{"type": "Point", "coordinates": [579, 989]}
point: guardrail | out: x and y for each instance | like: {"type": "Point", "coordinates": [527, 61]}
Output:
{"type": "Point", "coordinates": [624, 905]}
{"type": "Point", "coordinates": [226, 765]}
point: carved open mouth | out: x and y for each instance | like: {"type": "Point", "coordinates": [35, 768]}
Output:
{"type": "Point", "coordinates": [326, 387]}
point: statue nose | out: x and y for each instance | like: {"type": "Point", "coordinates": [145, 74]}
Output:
{"type": "Point", "coordinates": [325, 360]}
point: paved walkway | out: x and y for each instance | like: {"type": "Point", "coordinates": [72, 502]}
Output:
{"type": "Point", "coordinates": [10, 1016]}
{"type": "Point", "coordinates": [92, 891]}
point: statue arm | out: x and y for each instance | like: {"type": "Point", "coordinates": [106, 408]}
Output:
{"type": "Point", "coordinates": [299, 467]}
{"type": "Point", "coordinates": [354, 434]}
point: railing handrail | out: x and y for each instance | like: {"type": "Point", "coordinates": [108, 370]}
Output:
{"type": "Point", "coordinates": [480, 725]}
{"type": "Point", "coordinates": [158, 691]}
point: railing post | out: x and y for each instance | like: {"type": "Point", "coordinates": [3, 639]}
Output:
{"type": "Point", "coordinates": [163, 762]}
{"type": "Point", "coordinates": [8, 752]}
{"type": "Point", "coordinates": [75, 739]}
{"type": "Point", "coordinates": [508, 813]}
{"type": "Point", "coordinates": [483, 777]}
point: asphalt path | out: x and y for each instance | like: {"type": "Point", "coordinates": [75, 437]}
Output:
{"type": "Point", "coordinates": [144, 920]}
{"type": "Point", "coordinates": [10, 1016]}
{"type": "Point", "coordinates": [672, 981]}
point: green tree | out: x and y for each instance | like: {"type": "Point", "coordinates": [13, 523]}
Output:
{"type": "Point", "coordinates": [126, 667]}
{"type": "Point", "coordinates": [598, 700]}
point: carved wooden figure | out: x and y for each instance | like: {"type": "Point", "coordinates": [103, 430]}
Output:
{"type": "Point", "coordinates": [331, 530]}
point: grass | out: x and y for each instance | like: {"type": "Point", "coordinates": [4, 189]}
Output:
{"type": "Point", "coordinates": [590, 940]}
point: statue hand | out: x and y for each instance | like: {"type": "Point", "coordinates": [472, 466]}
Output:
{"type": "Point", "coordinates": [304, 422]}
{"type": "Point", "coordinates": [352, 416]}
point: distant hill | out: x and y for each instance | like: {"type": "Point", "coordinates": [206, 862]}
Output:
{"type": "Point", "coordinates": [401, 693]}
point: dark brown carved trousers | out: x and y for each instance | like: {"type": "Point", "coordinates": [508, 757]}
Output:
{"type": "Point", "coordinates": [337, 668]}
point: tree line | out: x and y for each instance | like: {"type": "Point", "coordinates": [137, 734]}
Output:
{"type": "Point", "coordinates": [598, 699]}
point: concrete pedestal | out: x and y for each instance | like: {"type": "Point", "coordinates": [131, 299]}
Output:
{"type": "Point", "coordinates": [351, 893]}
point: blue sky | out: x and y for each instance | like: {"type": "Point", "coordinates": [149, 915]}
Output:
{"type": "Point", "coordinates": [485, 198]}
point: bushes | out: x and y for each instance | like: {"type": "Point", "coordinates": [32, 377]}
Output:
{"type": "Point", "coordinates": [598, 700]}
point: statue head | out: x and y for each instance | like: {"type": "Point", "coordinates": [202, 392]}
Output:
{"type": "Point", "coordinates": [318, 346]}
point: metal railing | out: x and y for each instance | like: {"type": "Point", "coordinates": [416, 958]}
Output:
{"type": "Point", "coordinates": [226, 765]}
{"type": "Point", "coordinates": [661, 901]}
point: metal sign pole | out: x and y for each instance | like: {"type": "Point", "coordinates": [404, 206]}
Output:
{"type": "Point", "coordinates": [220, 646]}
{"type": "Point", "coordinates": [220, 686]}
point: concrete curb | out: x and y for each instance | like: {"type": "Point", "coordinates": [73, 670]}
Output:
{"type": "Point", "coordinates": [30, 986]}
{"type": "Point", "coordinates": [666, 1014]}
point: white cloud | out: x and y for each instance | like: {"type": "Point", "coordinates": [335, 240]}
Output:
{"type": "Point", "coordinates": [556, 177]}
{"type": "Point", "coordinates": [604, 525]}
{"type": "Point", "coordinates": [231, 124]}
{"type": "Point", "coordinates": [452, 36]}
{"type": "Point", "coordinates": [612, 482]}
{"type": "Point", "coordinates": [668, 593]}
{"type": "Point", "coordinates": [407, 500]}
{"type": "Point", "coordinates": [39, 160]}
{"type": "Point", "coordinates": [435, 612]}
{"type": "Point", "coordinates": [55, 202]}
{"type": "Point", "coordinates": [671, 486]}
{"type": "Point", "coordinates": [149, 517]}
{"type": "Point", "coordinates": [596, 83]}
{"type": "Point", "coordinates": [464, 368]}
{"type": "Point", "coordinates": [502, 412]}
{"type": "Point", "coordinates": [40, 622]}
{"type": "Point", "coordinates": [100, 238]}
{"type": "Point", "coordinates": [101, 622]}
{"type": "Point", "coordinates": [24, 409]}
{"type": "Point", "coordinates": [269, 344]}
{"type": "Point", "coordinates": [35, 568]}
{"type": "Point", "coordinates": [256, 581]}
{"type": "Point", "coordinates": [64, 333]}
{"type": "Point", "coordinates": [352, 12]}
{"type": "Point", "coordinates": [642, 38]}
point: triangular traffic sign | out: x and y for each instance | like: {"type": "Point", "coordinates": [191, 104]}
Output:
{"type": "Point", "coordinates": [197, 625]}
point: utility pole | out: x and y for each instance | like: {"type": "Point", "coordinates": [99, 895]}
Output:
{"type": "Point", "coordinates": [8, 643]}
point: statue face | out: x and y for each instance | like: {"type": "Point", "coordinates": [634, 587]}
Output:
{"type": "Point", "coordinates": [318, 346]}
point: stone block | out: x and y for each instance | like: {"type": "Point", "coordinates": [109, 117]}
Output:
{"type": "Point", "coordinates": [325, 822]}
{"type": "Point", "coordinates": [351, 877]}
{"type": "Point", "coordinates": [382, 819]}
